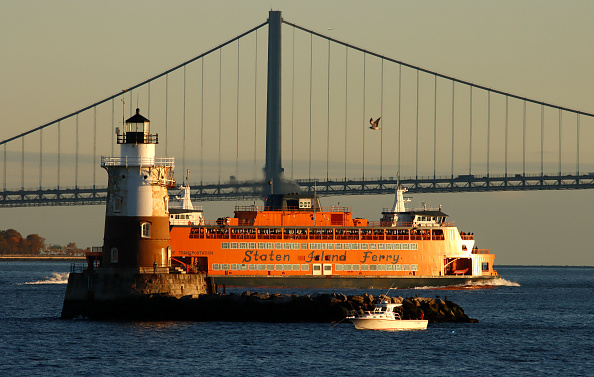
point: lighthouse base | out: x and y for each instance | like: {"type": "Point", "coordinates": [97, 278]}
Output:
{"type": "Point", "coordinates": [122, 295]}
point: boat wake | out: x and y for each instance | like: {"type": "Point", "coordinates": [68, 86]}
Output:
{"type": "Point", "coordinates": [55, 278]}
{"type": "Point", "coordinates": [499, 282]}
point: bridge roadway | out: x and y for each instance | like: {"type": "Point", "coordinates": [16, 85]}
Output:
{"type": "Point", "coordinates": [249, 190]}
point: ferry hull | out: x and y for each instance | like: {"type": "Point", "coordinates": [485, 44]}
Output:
{"type": "Point", "coordinates": [366, 282]}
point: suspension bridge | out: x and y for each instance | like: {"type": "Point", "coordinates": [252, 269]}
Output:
{"type": "Point", "coordinates": [226, 118]}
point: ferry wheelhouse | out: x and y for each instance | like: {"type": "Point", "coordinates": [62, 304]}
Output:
{"type": "Point", "coordinates": [292, 241]}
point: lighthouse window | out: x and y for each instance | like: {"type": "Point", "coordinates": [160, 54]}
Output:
{"type": "Point", "coordinates": [117, 205]}
{"type": "Point", "coordinates": [485, 266]}
{"type": "Point", "coordinates": [145, 230]}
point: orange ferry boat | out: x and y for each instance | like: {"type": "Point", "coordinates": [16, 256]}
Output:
{"type": "Point", "coordinates": [294, 242]}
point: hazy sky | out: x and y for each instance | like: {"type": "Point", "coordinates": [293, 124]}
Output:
{"type": "Point", "coordinates": [60, 56]}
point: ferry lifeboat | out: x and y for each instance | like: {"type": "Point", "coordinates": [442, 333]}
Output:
{"type": "Point", "coordinates": [291, 241]}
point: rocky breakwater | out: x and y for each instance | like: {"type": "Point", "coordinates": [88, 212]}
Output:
{"type": "Point", "coordinates": [264, 307]}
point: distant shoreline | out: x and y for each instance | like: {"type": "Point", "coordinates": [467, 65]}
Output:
{"type": "Point", "coordinates": [21, 257]}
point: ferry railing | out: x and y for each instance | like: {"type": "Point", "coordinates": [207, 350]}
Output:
{"type": "Point", "coordinates": [253, 208]}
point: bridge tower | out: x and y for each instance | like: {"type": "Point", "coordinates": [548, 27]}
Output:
{"type": "Point", "coordinates": [273, 169]}
{"type": "Point", "coordinates": [137, 213]}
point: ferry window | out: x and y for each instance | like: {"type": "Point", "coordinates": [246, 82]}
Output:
{"type": "Point", "coordinates": [261, 267]}
{"type": "Point", "coordinates": [388, 246]}
{"type": "Point", "coordinates": [269, 245]}
{"type": "Point", "coordinates": [346, 246]}
{"type": "Point", "coordinates": [330, 246]}
{"type": "Point", "coordinates": [355, 246]}
{"type": "Point", "coordinates": [296, 267]}
{"type": "Point", "coordinates": [278, 245]}
{"type": "Point", "coordinates": [347, 267]}
{"type": "Point", "coordinates": [252, 267]}
{"type": "Point", "coordinates": [338, 267]}
{"type": "Point", "coordinates": [305, 267]}
{"type": "Point", "coordinates": [145, 230]}
{"type": "Point", "coordinates": [396, 246]}
{"type": "Point", "coordinates": [317, 267]}
{"type": "Point", "coordinates": [243, 245]}
{"type": "Point", "coordinates": [406, 267]}
{"type": "Point", "coordinates": [363, 246]}
{"type": "Point", "coordinates": [337, 246]}
{"type": "Point", "coordinates": [389, 267]}
{"type": "Point", "coordinates": [287, 267]}
{"type": "Point", "coordinates": [243, 267]}
{"type": "Point", "coordinates": [296, 246]}
{"type": "Point", "coordinates": [371, 246]}
{"type": "Point", "coordinates": [234, 267]}
{"type": "Point", "coordinates": [380, 246]}
{"type": "Point", "coordinates": [287, 246]}
{"type": "Point", "coordinates": [356, 267]}
{"type": "Point", "coordinates": [252, 245]}
{"type": "Point", "coordinates": [303, 246]}
{"type": "Point", "coordinates": [404, 246]}
{"type": "Point", "coordinates": [364, 267]}
{"type": "Point", "coordinates": [373, 267]}
{"type": "Point", "coordinates": [485, 266]}
{"type": "Point", "coordinates": [414, 267]}
{"type": "Point", "coordinates": [234, 245]}
{"type": "Point", "coordinates": [278, 267]}
{"type": "Point", "coordinates": [381, 267]}
{"type": "Point", "coordinates": [260, 245]}
{"type": "Point", "coordinates": [312, 245]}
{"type": "Point", "coordinates": [216, 266]}
{"type": "Point", "coordinates": [225, 267]}
{"type": "Point", "coordinates": [397, 267]}
{"type": "Point", "coordinates": [224, 245]}
{"type": "Point", "coordinates": [270, 267]}
{"type": "Point", "coordinates": [414, 246]}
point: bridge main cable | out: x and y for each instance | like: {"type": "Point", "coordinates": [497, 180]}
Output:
{"type": "Point", "coordinates": [438, 74]}
{"type": "Point", "coordinates": [135, 86]}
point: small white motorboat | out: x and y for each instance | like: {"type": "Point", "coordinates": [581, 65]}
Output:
{"type": "Point", "coordinates": [385, 317]}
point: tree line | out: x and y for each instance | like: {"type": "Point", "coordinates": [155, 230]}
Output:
{"type": "Point", "coordinates": [12, 242]}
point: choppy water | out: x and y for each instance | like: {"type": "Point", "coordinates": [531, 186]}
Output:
{"type": "Point", "coordinates": [538, 322]}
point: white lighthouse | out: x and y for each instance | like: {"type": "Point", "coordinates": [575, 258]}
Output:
{"type": "Point", "coordinates": [136, 233]}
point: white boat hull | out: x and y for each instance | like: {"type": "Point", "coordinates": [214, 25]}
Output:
{"type": "Point", "coordinates": [389, 324]}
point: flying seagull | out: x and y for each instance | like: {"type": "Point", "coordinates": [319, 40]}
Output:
{"type": "Point", "coordinates": [374, 124]}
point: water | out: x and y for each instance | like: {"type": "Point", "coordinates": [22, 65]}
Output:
{"type": "Point", "coordinates": [539, 322]}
